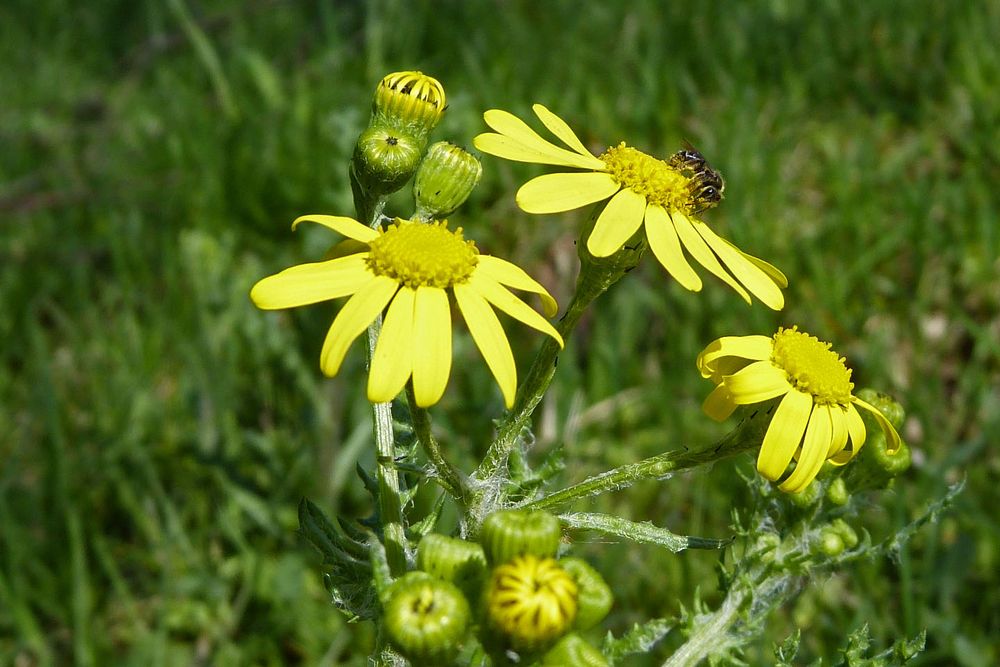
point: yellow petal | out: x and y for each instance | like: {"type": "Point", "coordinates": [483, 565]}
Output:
{"type": "Point", "coordinates": [702, 253]}
{"type": "Point", "coordinates": [667, 248]}
{"type": "Point", "coordinates": [514, 276]}
{"type": "Point", "coordinates": [774, 272]}
{"type": "Point", "coordinates": [359, 311]}
{"type": "Point", "coordinates": [516, 141]}
{"type": "Point", "coordinates": [892, 440]}
{"type": "Point", "coordinates": [558, 127]}
{"type": "Point", "coordinates": [498, 295]}
{"type": "Point", "coordinates": [728, 354]}
{"type": "Point", "coordinates": [311, 283]}
{"type": "Point", "coordinates": [392, 362]}
{"type": "Point", "coordinates": [814, 448]}
{"type": "Point", "coordinates": [784, 434]}
{"type": "Point", "coordinates": [553, 193]}
{"type": "Point", "coordinates": [838, 440]}
{"type": "Point", "coordinates": [431, 345]}
{"type": "Point", "coordinates": [760, 381]}
{"type": "Point", "coordinates": [756, 281]}
{"type": "Point", "coordinates": [719, 404]}
{"type": "Point", "coordinates": [349, 227]}
{"type": "Point", "coordinates": [490, 339]}
{"type": "Point", "coordinates": [619, 220]}
{"type": "Point", "coordinates": [856, 432]}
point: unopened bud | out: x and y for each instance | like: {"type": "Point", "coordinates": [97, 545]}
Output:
{"type": "Point", "coordinates": [410, 101]}
{"type": "Point", "coordinates": [444, 180]}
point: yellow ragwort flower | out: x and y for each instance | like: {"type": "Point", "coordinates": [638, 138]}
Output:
{"type": "Point", "coordinates": [817, 414]}
{"type": "Point", "coordinates": [642, 192]}
{"type": "Point", "coordinates": [409, 270]}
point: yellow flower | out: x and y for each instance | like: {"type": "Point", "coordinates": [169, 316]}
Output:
{"type": "Point", "coordinates": [409, 270]}
{"type": "Point", "coordinates": [642, 192]}
{"type": "Point", "coordinates": [817, 414]}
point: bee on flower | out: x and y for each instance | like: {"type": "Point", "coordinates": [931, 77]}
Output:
{"type": "Point", "coordinates": [642, 192]}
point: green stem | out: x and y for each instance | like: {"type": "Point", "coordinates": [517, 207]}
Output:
{"type": "Point", "coordinates": [390, 503]}
{"type": "Point", "coordinates": [748, 435]}
{"type": "Point", "coordinates": [448, 475]}
{"type": "Point", "coordinates": [596, 276]}
{"type": "Point", "coordinates": [707, 634]}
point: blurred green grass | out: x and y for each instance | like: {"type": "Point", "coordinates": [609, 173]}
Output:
{"type": "Point", "coordinates": [156, 431]}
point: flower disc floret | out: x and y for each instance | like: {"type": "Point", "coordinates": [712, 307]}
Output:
{"type": "Point", "coordinates": [423, 255]}
{"type": "Point", "coordinates": [643, 174]}
{"type": "Point", "coordinates": [812, 366]}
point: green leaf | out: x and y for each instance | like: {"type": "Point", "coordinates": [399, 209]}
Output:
{"type": "Point", "coordinates": [640, 639]}
{"type": "Point", "coordinates": [641, 533]}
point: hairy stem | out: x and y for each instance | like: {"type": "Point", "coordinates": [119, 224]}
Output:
{"type": "Point", "coordinates": [448, 475]}
{"type": "Point", "coordinates": [746, 436]}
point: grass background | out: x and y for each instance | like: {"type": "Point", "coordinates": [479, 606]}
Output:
{"type": "Point", "coordinates": [156, 431]}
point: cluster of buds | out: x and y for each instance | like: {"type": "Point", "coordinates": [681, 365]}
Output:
{"type": "Point", "coordinates": [508, 590]}
{"type": "Point", "coordinates": [406, 107]}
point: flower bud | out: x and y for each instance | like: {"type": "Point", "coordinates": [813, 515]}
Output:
{"type": "Point", "coordinates": [593, 597]}
{"type": "Point", "coordinates": [530, 602]}
{"type": "Point", "coordinates": [451, 559]}
{"type": "Point", "coordinates": [384, 159]}
{"type": "Point", "coordinates": [837, 493]}
{"type": "Point", "coordinates": [829, 542]}
{"type": "Point", "coordinates": [444, 180]}
{"type": "Point", "coordinates": [409, 101]}
{"type": "Point", "coordinates": [573, 651]}
{"type": "Point", "coordinates": [847, 534]}
{"type": "Point", "coordinates": [807, 496]}
{"type": "Point", "coordinates": [426, 619]}
{"type": "Point", "coordinates": [509, 533]}
{"type": "Point", "coordinates": [875, 465]}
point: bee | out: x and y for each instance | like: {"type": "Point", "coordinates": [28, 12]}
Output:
{"type": "Point", "coordinates": [705, 184]}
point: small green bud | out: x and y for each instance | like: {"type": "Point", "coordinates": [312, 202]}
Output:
{"type": "Point", "coordinates": [426, 619]}
{"type": "Point", "coordinates": [594, 597]}
{"type": "Point", "coordinates": [444, 180]}
{"type": "Point", "coordinates": [451, 559]}
{"type": "Point", "coordinates": [509, 533]}
{"type": "Point", "coordinates": [847, 534]}
{"type": "Point", "coordinates": [837, 493]}
{"type": "Point", "coordinates": [766, 546]}
{"type": "Point", "coordinates": [384, 159]}
{"type": "Point", "coordinates": [573, 651]}
{"type": "Point", "coordinates": [830, 542]}
{"type": "Point", "coordinates": [529, 602]}
{"type": "Point", "coordinates": [409, 101]}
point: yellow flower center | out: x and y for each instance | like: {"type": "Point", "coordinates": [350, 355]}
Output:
{"type": "Point", "coordinates": [415, 254]}
{"type": "Point", "coordinates": [812, 366]}
{"type": "Point", "coordinates": [531, 600]}
{"type": "Point", "coordinates": [654, 179]}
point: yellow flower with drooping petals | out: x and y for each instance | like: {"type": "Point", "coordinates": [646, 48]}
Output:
{"type": "Point", "coordinates": [642, 191]}
{"type": "Point", "coordinates": [409, 270]}
{"type": "Point", "coordinates": [817, 415]}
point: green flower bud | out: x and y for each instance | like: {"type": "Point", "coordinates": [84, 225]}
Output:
{"type": "Point", "coordinates": [426, 619]}
{"type": "Point", "coordinates": [594, 597]}
{"type": "Point", "coordinates": [573, 651]}
{"type": "Point", "coordinates": [384, 159]}
{"type": "Point", "coordinates": [509, 533]}
{"type": "Point", "coordinates": [837, 493]}
{"type": "Point", "coordinates": [409, 101]}
{"type": "Point", "coordinates": [530, 602]}
{"type": "Point", "coordinates": [451, 559]}
{"type": "Point", "coordinates": [847, 534]}
{"type": "Point", "coordinates": [830, 543]}
{"type": "Point", "coordinates": [766, 546]}
{"type": "Point", "coordinates": [444, 180]}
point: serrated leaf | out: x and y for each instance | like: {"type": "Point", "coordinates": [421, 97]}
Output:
{"type": "Point", "coordinates": [640, 639]}
{"type": "Point", "coordinates": [317, 529]}
{"type": "Point", "coordinates": [641, 533]}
